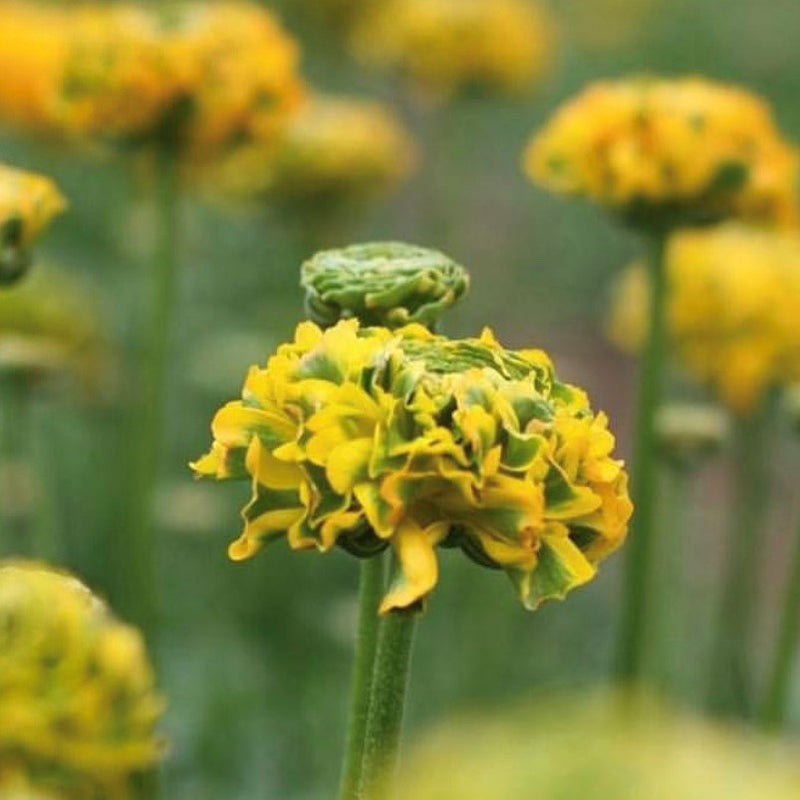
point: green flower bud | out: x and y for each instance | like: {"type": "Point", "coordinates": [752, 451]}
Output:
{"type": "Point", "coordinates": [381, 283]}
{"type": "Point", "coordinates": [689, 433]}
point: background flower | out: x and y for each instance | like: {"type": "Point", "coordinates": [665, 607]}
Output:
{"type": "Point", "coordinates": [732, 310]}
{"type": "Point", "coordinates": [659, 150]}
{"type": "Point", "coordinates": [77, 702]}
{"type": "Point", "coordinates": [445, 47]}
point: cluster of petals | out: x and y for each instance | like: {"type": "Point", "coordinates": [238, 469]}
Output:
{"type": "Point", "coordinates": [336, 149]}
{"type": "Point", "coordinates": [28, 203]}
{"type": "Point", "coordinates": [203, 74]}
{"type": "Point", "coordinates": [734, 292]}
{"type": "Point", "coordinates": [445, 47]}
{"type": "Point", "coordinates": [687, 148]}
{"type": "Point", "coordinates": [78, 708]}
{"type": "Point", "coordinates": [367, 438]}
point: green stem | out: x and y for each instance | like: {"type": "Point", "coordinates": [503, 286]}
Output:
{"type": "Point", "coordinates": [776, 700]}
{"type": "Point", "coordinates": [669, 610]}
{"type": "Point", "coordinates": [387, 705]}
{"type": "Point", "coordinates": [731, 679]}
{"type": "Point", "coordinates": [371, 587]}
{"type": "Point", "coordinates": [632, 643]}
{"type": "Point", "coordinates": [14, 429]}
{"type": "Point", "coordinates": [137, 600]}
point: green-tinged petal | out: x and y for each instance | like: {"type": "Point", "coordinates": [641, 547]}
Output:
{"type": "Point", "coordinates": [418, 570]}
{"type": "Point", "coordinates": [348, 464]}
{"type": "Point", "coordinates": [221, 462]}
{"type": "Point", "coordinates": [380, 514]}
{"type": "Point", "coordinates": [270, 471]}
{"type": "Point", "coordinates": [560, 567]}
{"type": "Point", "coordinates": [235, 425]}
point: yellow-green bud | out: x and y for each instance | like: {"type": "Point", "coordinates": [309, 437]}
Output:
{"type": "Point", "coordinates": [382, 283]}
{"type": "Point", "coordinates": [689, 433]}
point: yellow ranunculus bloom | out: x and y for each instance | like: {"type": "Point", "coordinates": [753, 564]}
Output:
{"type": "Point", "coordinates": [49, 323]}
{"type": "Point", "coordinates": [28, 203]}
{"type": "Point", "coordinates": [448, 46]}
{"type": "Point", "coordinates": [667, 152]}
{"type": "Point", "coordinates": [733, 295]}
{"type": "Point", "coordinates": [200, 75]}
{"type": "Point", "coordinates": [336, 150]}
{"type": "Point", "coordinates": [78, 707]}
{"type": "Point", "coordinates": [366, 437]}
{"type": "Point", "coordinates": [595, 746]}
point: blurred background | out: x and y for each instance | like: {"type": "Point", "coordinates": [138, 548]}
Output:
{"type": "Point", "coordinates": [255, 657]}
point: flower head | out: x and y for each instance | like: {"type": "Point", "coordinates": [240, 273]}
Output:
{"type": "Point", "coordinates": [445, 47]}
{"type": "Point", "coordinates": [50, 323]}
{"type": "Point", "coordinates": [731, 310]}
{"type": "Point", "coordinates": [382, 283]}
{"type": "Point", "coordinates": [240, 72]}
{"type": "Point", "coordinates": [365, 437]}
{"type": "Point", "coordinates": [78, 706]}
{"type": "Point", "coordinates": [594, 746]}
{"type": "Point", "coordinates": [668, 152]}
{"type": "Point", "coordinates": [196, 75]}
{"type": "Point", "coordinates": [28, 203]}
{"type": "Point", "coordinates": [334, 151]}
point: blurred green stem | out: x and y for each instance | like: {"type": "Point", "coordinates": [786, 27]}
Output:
{"type": "Point", "coordinates": [632, 645]}
{"type": "Point", "coordinates": [137, 599]}
{"type": "Point", "coordinates": [670, 610]}
{"type": "Point", "coordinates": [731, 678]}
{"type": "Point", "coordinates": [371, 586]}
{"type": "Point", "coordinates": [14, 429]}
{"type": "Point", "coordinates": [776, 700]}
{"type": "Point", "coordinates": [387, 705]}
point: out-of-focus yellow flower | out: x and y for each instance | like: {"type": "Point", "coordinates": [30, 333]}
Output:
{"type": "Point", "coordinates": [596, 747]}
{"type": "Point", "coordinates": [240, 69]}
{"type": "Point", "coordinates": [733, 295]}
{"type": "Point", "coordinates": [336, 150]}
{"type": "Point", "coordinates": [198, 75]}
{"type": "Point", "coordinates": [88, 71]}
{"type": "Point", "coordinates": [382, 283]}
{"type": "Point", "coordinates": [28, 203]}
{"type": "Point", "coordinates": [78, 707]}
{"type": "Point", "coordinates": [445, 47]}
{"type": "Point", "coordinates": [365, 437]}
{"type": "Point", "coordinates": [51, 323]}
{"type": "Point", "coordinates": [18, 787]}
{"type": "Point", "coordinates": [668, 152]}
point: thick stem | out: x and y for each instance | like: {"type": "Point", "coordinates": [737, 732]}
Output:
{"type": "Point", "coordinates": [136, 550]}
{"type": "Point", "coordinates": [669, 607]}
{"type": "Point", "coordinates": [632, 643]}
{"type": "Point", "coordinates": [730, 685]}
{"type": "Point", "coordinates": [387, 705]}
{"type": "Point", "coordinates": [776, 700]}
{"type": "Point", "coordinates": [14, 429]}
{"type": "Point", "coordinates": [371, 587]}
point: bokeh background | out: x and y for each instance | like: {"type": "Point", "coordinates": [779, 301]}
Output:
{"type": "Point", "coordinates": [255, 657]}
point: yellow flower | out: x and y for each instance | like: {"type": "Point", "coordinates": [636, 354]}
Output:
{"type": "Point", "coordinates": [732, 307]}
{"type": "Point", "coordinates": [445, 47]}
{"type": "Point", "coordinates": [50, 322]}
{"type": "Point", "coordinates": [240, 73]}
{"type": "Point", "coordinates": [382, 283]}
{"type": "Point", "coordinates": [668, 152]}
{"type": "Point", "coordinates": [334, 151]}
{"type": "Point", "coordinates": [365, 438]}
{"type": "Point", "coordinates": [28, 203]}
{"type": "Point", "coordinates": [197, 75]}
{"type": "Point", "coordinates": [595, 746]}
{"type": "Point", "coordinates": [78, 706]}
